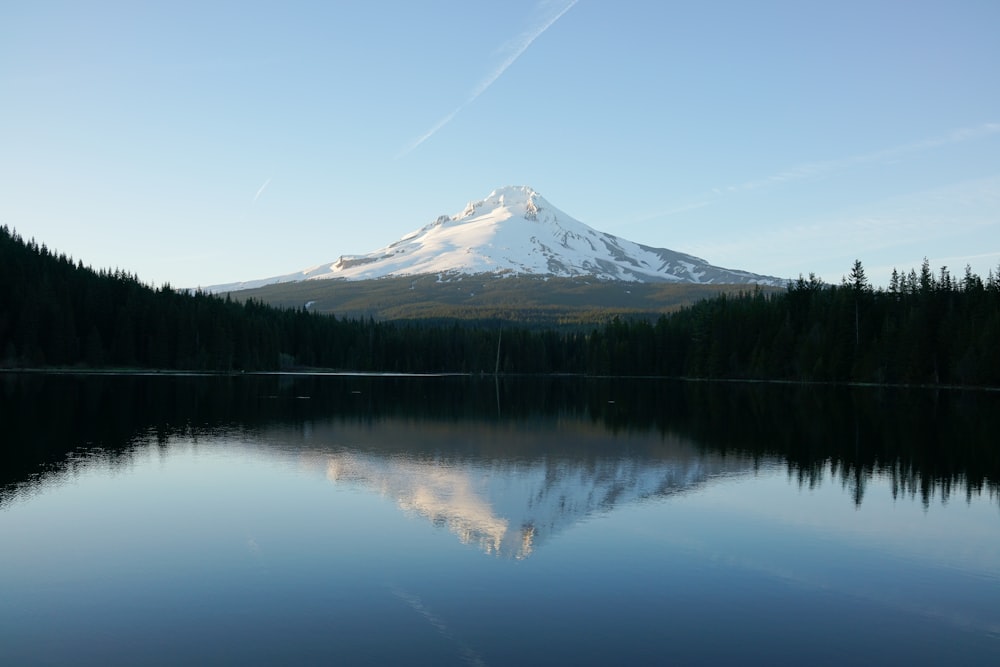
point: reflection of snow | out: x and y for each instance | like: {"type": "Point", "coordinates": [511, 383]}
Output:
{"type": "Point", "coordinates": [509, 508]}
{"type": "Point", "coordinates": [442, 494]}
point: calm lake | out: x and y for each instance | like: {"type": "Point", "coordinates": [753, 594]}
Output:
{"type": "Point", "coordinates": [286, 519]}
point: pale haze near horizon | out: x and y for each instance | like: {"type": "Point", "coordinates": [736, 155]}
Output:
{"type": "Point", "coordinates": [204, 143]}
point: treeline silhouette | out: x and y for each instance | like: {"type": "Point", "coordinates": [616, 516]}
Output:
{"type": "Point", "coordinates": [925, 328]}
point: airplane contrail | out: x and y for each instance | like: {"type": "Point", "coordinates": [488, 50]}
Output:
{"type": "Point", "coordinates": [519, 46]}
{"type": "Point", "coordinates": [469, 654]}
{"type": "Point", "coordinates": [261, 189]}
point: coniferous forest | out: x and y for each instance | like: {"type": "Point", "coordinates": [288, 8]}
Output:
{"type": "Point", "coordinates": [927, 327]}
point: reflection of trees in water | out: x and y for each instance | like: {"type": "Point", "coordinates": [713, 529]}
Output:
{"type": "Point", "coordinates": [923, 441]}
{"type": "Point", "coordinates": [926, 442]}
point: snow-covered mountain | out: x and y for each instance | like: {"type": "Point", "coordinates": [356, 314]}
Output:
{"type": "Point", "coordinates": [516, 231]}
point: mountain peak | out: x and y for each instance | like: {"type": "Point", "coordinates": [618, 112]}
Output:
{"type": "Point", "coordinates": [518, 200]}
{"type": "Point", "coordinates": [515, 192]}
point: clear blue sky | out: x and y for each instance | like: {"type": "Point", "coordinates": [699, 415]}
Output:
{"type": "Point", "coordinates": [206, 142]}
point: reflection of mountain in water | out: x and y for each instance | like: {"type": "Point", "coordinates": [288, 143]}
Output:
{"type": "Point", "coordinates": [510, 508]}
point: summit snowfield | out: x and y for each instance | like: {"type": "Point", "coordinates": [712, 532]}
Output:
{"type": "Point", "coordinates": [516, 231]}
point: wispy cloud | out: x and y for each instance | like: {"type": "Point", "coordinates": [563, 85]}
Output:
{"type": "Point", "coordinates": [673, 211]}
{"type": "Point", "coordinates": [515, 49]}
{"type": "Point", "coordinates": [261, 189]}
{"type": "Point", "coordinates": [815, 169]}
{"type": "Point", "coordinates": [897, 231]}
{"type": "Point", "coordinates": [821, 168]}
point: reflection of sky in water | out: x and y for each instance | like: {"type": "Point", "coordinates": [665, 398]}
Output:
{"type": "Point", "coordinates": [299, 541]}
{"type": "Point", "coordinates": [940, 563]}
{"type": "Point", "coordinates": [964, 534]}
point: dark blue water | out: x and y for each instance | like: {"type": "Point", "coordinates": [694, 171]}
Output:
{"type": "Point", "coordinates": [449, 521]}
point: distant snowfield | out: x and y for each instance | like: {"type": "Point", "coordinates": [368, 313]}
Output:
{"type": "Point", "coordinates": [515, 231]}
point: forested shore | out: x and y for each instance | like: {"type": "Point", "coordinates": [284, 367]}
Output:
{"type": "Point", "coordinates": [927, 327]}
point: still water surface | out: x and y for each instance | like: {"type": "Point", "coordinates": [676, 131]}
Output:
{"type": "Point", "coordinates": [440, 521]}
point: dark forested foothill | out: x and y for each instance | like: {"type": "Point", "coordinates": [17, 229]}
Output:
{"type": "Point", "coordinates": [926, 328]}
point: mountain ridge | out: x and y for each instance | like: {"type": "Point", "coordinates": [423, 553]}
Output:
{"type": "Point", "coordinates": [516, 231]}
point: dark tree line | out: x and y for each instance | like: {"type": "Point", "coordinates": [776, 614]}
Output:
{"type": "Point", "coordinates": [925, 328]}
{"type": "Point", "coordinates": [55, 312]}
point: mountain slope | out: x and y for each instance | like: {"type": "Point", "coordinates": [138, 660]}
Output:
{"type": "Point", "coordinates": [515, 231]}
{"type": "Point", "coordinates": [536, 301]}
